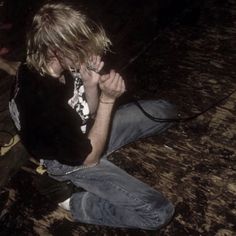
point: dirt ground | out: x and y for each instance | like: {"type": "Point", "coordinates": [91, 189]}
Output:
{"type": "Point", "coordinates": [185, 54]}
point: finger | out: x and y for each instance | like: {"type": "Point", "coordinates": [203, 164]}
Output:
{"type": "Point", "coordinates": [91, 63]}
{"type": "Point", "coordinates": [119, 81]}
{"type": "Point", "coordinates": [100, 66]}
{"type": "Point", "coordinates": [117, 76]}
{"type": "Point", "coordinates": [94, 63]}
{"type": "Point", "coordinates": [84, 70]}
{"type": "Point", "coordinates": [90, 60]}
{"type": "Point", "coordinates": [111, 82]}
{"type": "Point", "coordinates": [119, 84]}
{"type": "Point", "coordinates": [112, 75]}
{"type": "Point", "coordinates": [116, 81]}
{"type": "Point", "coordinates": [94, 60]}
{"type": "Point", "coordinates": [116, 85]}
{"type": "Point", "coordinates": [123, 87]}
{"type": "Point", "coordinates": [97, 60]}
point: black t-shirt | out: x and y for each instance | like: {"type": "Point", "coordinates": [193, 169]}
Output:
{"type": "Point", "coordinates": [49, 128]}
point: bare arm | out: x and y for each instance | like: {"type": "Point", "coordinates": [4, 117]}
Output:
{"type": "Point", "coordinates": [90, 76]}
{"type": "Point", "coordinates": [91, 93]}
{"type": "Point", "coordinates": [112, 86]}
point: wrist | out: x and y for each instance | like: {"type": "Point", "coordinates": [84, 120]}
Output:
{"type": "Point", "coordinates": [90, 85]}
{"type": "Point", "coordinates": [106, 100]}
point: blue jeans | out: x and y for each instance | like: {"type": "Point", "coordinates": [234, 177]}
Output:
{"type": "Point", "coordinates": [112, 197]}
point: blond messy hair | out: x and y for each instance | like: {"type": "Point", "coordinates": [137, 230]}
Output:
{"type": "Point", "coordinates": [59, 29]}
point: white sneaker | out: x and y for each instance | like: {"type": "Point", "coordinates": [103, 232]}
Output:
{"type": "Point", "coordinates": [65, 205]}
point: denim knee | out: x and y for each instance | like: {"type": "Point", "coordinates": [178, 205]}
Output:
{"type": "Point", "coordinates": [158, 217]}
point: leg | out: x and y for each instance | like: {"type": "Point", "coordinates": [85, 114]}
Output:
{"type": "Point", "coordinates": [114, 198]}
{"type": "Point", "coordinates": [130, 124]}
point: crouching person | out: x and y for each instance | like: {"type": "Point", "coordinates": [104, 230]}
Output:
{"type": "Point", "coordinates": [64, 112]}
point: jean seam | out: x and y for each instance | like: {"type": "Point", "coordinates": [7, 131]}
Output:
{"type": "Point", "coordinates": [128, 194]}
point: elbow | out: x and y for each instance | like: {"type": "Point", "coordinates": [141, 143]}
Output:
{"type": "Point", "coordinates": [92, 159]}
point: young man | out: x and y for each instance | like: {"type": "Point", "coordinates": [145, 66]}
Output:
{"type": "Point", "coordinates": [63, 110]}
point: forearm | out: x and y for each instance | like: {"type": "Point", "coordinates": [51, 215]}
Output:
{"type": "Point", "coordinates": [92, 94]}
{"type": "Point", "coordinates": [90, 76]}
{"type": "Point", "coordinates": [99, 132]}
{"type": "Point", "coordinates": [112, 86]}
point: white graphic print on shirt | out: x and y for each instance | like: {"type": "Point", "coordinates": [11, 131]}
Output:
{"type": "Point", "coordinates": [78, 101]}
